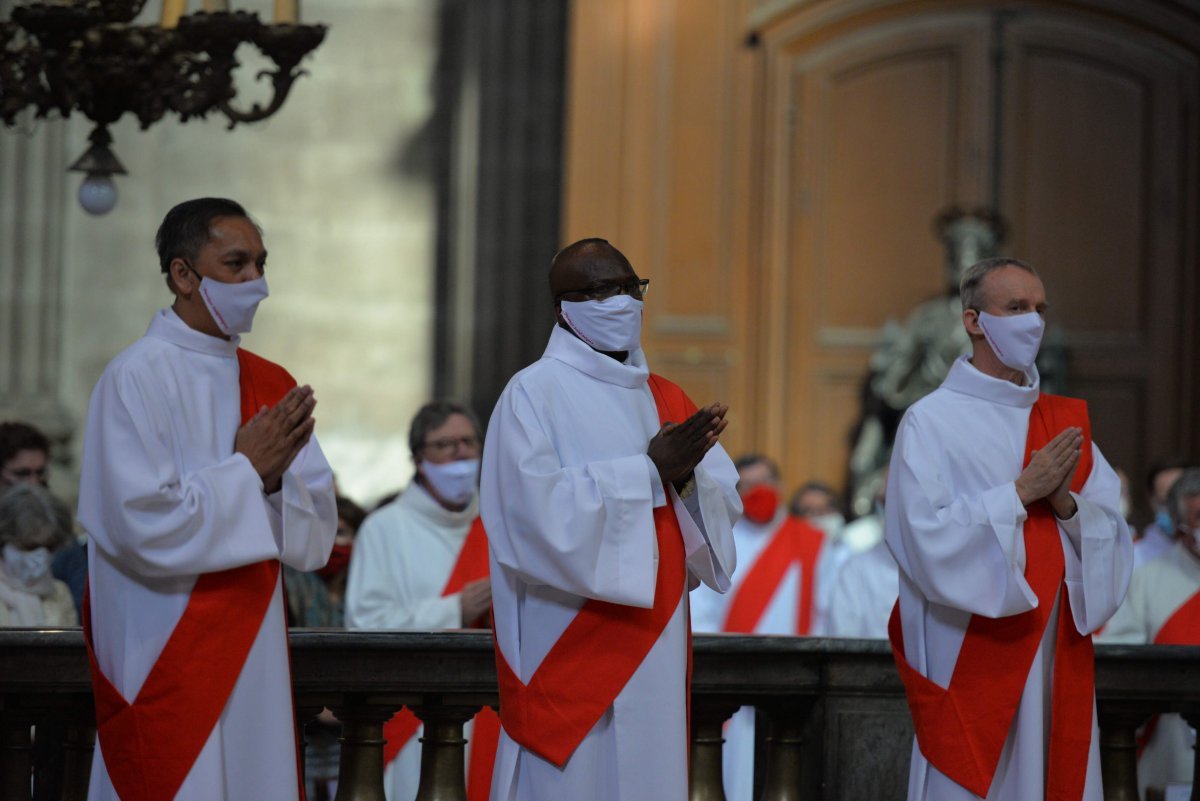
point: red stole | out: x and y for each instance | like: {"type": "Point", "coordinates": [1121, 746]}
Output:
{"type": "Point", "coordinates": [602, 647]}
{"type": "Point", "coordinates": [795, 542]}
{"type": "Point", "coordinates": [150, 745]}
{"type": "Point", "coordinates": [471, 565]}
{"type": "Point", "coordinates": [961, 729]}
{"type": "Point", "coordinates": [1183, 626]}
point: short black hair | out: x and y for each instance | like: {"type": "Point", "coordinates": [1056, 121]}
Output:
{"type": "Point", "coordinates": [16, 437]}
{"type": "Point", "coordinates": [432, 415]}
{"type": "Point", "coordinates": [188, 227]}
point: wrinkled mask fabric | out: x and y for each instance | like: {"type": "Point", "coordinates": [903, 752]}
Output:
{"type": "Point", "coordinates": [1015, 339]}
{"type": "Point", "coordinates": [27, 566]}
{"type": "Point", "coordinates": [612, 324]}
{"type": "Point", "coordinates": [455, 482]}
{"type": "Point", "coordinates": [232, 305]}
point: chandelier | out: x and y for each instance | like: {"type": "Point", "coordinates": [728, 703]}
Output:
{"type": "Point", "coordinates": [61, 56]}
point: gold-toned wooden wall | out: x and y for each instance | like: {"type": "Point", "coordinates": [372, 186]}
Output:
{"type": "Point", "coordinates": [774, 168]}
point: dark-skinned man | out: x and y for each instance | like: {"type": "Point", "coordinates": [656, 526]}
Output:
{"type": "Point", "coordinates": [606, 497]}
{"type": "Point", "coordinates": [200, 475]}
{"type": "Point", "coordinates": [1005, 521]}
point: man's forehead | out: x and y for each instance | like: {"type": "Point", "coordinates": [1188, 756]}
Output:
{"type": "Point", "coordinates": [234, 233]}
{"type": "Point", "coordinates": [1013, 283]}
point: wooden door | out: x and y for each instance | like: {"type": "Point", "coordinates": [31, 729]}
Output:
{"type": "Point", "coordinates": [869, 136]}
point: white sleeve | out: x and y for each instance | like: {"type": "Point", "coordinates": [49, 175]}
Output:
{"type": "Point", "coordinates": [706, 519]}
{"type": "Point", "coordinates": [587, 530]}
{"type": "Point", "coordinates": [963, 551]}
{"type": "Point", "coordinates": [1098, 548]}
{"type": "Point", "coordinates": [377, 597]}
{"type": "Point", "coordinates": [147, 516]}
{"type": "Point", "coordinates": [307, 510]}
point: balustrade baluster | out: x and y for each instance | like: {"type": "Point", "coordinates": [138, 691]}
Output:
{"type": "Point", "coordinates": [443, 776]}
{"type": "Point", "coordinates": [78, 747]}
{"type": "Point", "coordinates": [360, 767]}
{"type": "Point", "coordinates": [1193, 720]}
{"type": "Point", "coordinates": [16, 757]}
{"type": "Point", "coordinates": [707, 781]}
{"type": "Point", "coordinates": [1118, 750]}
{"type": "Point", "coordinates": [784, 744]}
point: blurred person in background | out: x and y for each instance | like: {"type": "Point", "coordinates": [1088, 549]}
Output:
{"type": "Point", "coordinates": [421, 562]}
{"type": "Point", "coordinates": [1163, 607]}
{"type": "Point", "coordinates": [1159, 535]}
{"type": "Point", "coordinates": [24, 454]}
{"type": "Point", "coordinates": [33, 524]}
{"type": "Point", "coordinates": [25, 459]}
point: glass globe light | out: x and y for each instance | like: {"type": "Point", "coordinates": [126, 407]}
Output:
{"type": "Point", "coordinates": [98, 193]}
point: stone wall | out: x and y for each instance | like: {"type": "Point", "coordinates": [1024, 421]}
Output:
{"type": "Point", "coordinates": [337, 181]}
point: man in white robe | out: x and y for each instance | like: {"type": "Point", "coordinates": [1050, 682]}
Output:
{"type": "Point", "coordinates": [574, 467]}
{"type": "Point", "coordinates": [176, 489]}
{"type": "Point", "coordinates": [957, 504]}
{"type": "Point", "coordinates": [1163, 606]}
{"type": "Point", "coordinates": [406, 551]}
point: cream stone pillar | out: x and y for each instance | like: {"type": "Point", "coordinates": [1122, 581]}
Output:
{"type": "Point", "coordinates": [33, 174]}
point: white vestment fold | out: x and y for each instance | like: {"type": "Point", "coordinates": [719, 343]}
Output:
{"type": "Point", "coordinates": [164, 498]}
{"type": "Point", "coordinates": [567, 498]}
{"type": "Point", "coordinates": [402, 558]}
{"type": "Point", "coordinates": [954, 524]}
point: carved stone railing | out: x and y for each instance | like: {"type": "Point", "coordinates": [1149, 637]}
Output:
{"type": "Point", "coordinates": [833, 723]}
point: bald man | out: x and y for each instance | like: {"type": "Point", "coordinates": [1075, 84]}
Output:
{"type": "Point", "coordinates": [606, 496]}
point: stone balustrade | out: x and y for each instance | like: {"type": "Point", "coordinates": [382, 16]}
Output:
{"type": "Point", "coordinates": [832, 722]}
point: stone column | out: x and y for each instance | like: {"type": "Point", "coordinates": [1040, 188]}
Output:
{"type": "Point", "coordinates": [33, 173]}
{"type": "Point", "coordinates": [501, 88]}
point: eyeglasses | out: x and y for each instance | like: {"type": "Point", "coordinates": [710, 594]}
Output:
{"type": "Point", "coordinates": [636, 288]}
{"type": "Point", "coordinates": [448, 445]}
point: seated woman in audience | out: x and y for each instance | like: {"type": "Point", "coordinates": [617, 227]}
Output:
{"type": "Point", "coordinates": [33, 524]}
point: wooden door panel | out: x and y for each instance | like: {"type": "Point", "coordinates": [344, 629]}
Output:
{"type": "Point", "coordinates": [1096, 118]}
{"type": "Point", "coordinates": [877, 134]}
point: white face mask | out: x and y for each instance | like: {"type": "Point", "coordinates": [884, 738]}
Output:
{"type": "Point", "coordinates": [232, 306]}
{"type": "Point", "coordinates": [612, 324]}
{"type": "Point", "coordinates": [454, 482]}
{"type": "Point", "coordinates": [1014, 339]}
{"type": "Point", "coordinates": [832, 524]}
{"type": "Point", "coordinates": [27, 566]}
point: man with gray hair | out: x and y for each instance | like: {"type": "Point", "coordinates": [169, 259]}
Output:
{"type": "Point", "coordinates": [1004, 519]}
{"type": "Point", "coordinates": [1163, 607]}
{"type": "Point", "coordinates": [421, 562]}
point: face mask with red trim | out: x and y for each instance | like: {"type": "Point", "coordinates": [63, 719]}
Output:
{"type": "Point", "coordinates": [759, 504]}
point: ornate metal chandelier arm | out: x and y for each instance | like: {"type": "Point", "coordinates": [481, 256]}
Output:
{"type": "Point", "coordinates": [286, 45]}
{"type": "Point", "coordinates": [281, 83]}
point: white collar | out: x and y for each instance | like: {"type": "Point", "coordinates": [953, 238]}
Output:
{"type": "Point", "coordinates": [570, 349]}
{"type": "Point", "coordinates": [169, 327]}
{"type": "Point", "coordinates": [417, 500]}
{"type": "Point", "coordinates": [966, 379]}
